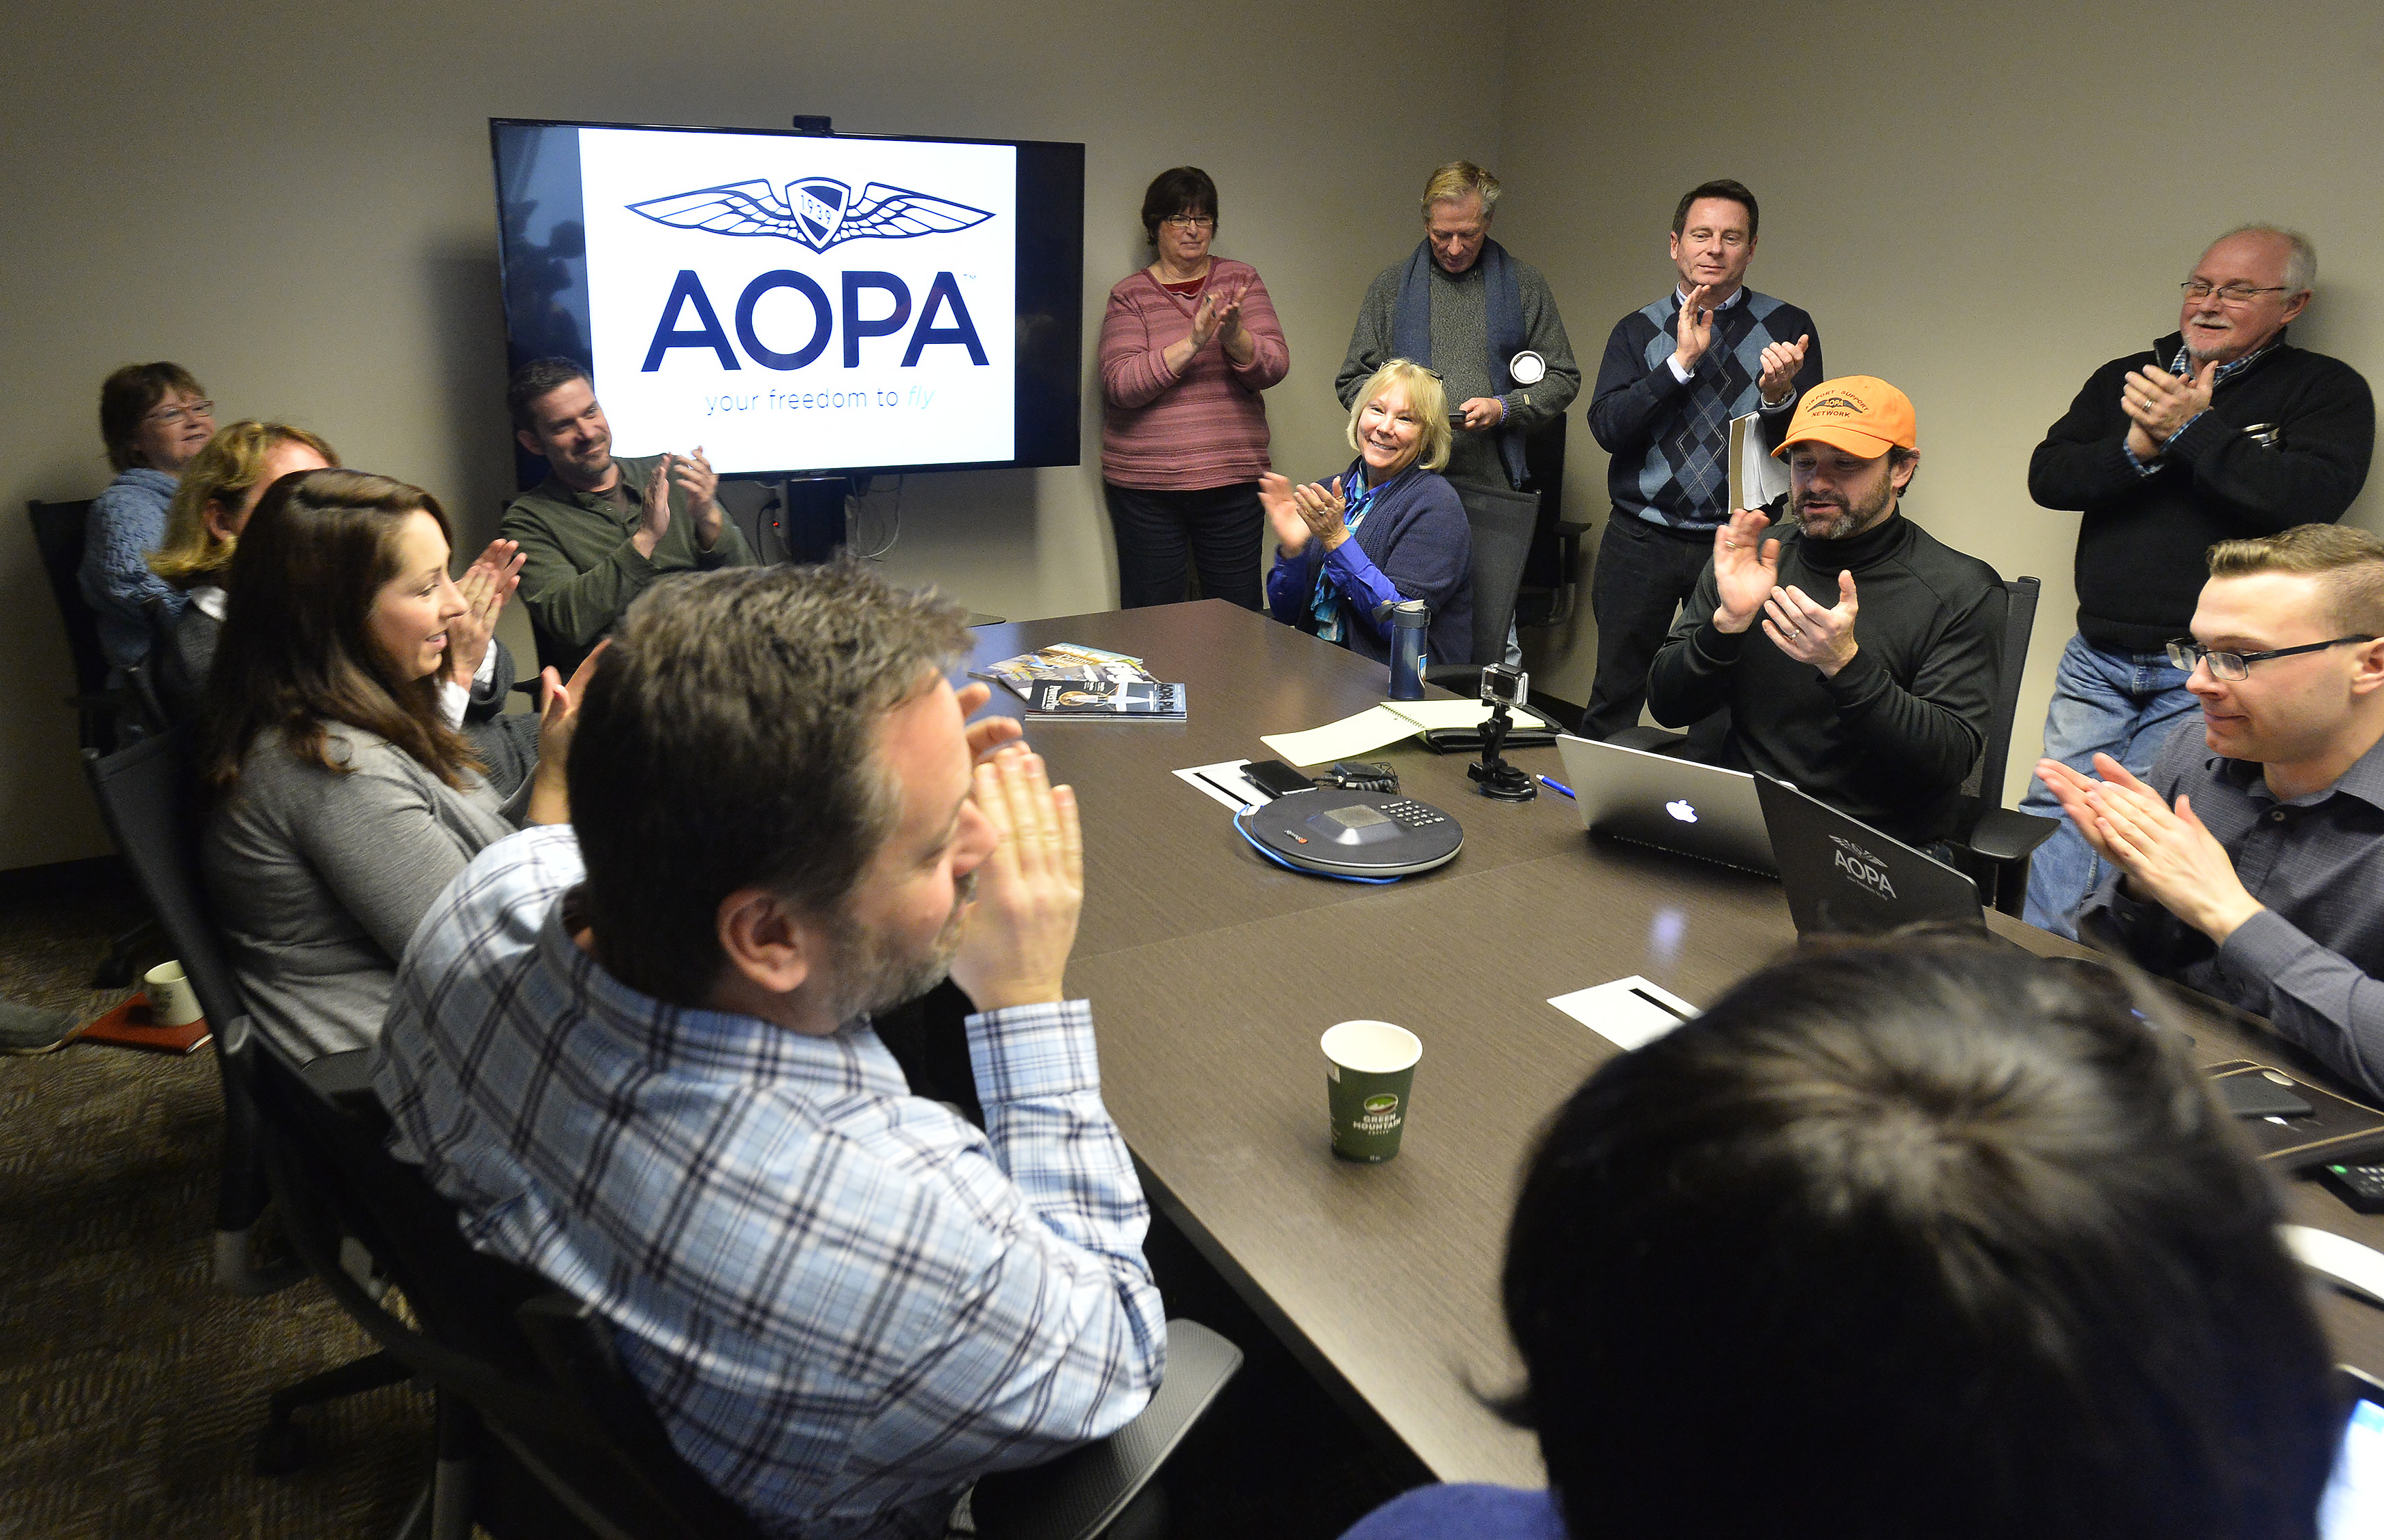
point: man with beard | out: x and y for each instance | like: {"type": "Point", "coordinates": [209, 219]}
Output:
{"type": "Point", "coordinates": [1877, 703]}
{"type": "Point", "coordinates": [2223, 432]}
{"type": "Point", "coordinates": [638, 1055]}
{"type": "Point", "coordinates": [597, 530]}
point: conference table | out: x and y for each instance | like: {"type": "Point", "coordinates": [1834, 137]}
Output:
{"type": "Point", "coordinates": [1212, 973]}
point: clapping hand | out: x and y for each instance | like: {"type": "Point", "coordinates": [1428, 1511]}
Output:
{"type": "Point", "coordinates": [1021, 924]}
{"type": "Point", "coordinates": [485, 586]}
{"type": "Point", "coordinates": [1780, 361]}
{"type": "Point", "coordinates": [1694, 331]}
{"type": "Point", "coordinates": [1299, 514]}
{"type": "Point", "coordinates": [987, 734]}
{"type": "Point", "coordinates": [1747, 569]}
{"type": "Point", "coordinates": [1809, 633]}
{"type": "Point", "coordinates": [558, 718]}
{"type": "Point", "coordinates": [2158, 402]}
{"type": "Point", "coordinates": [2168, 854]}
{"type": "Point", "coordinates": [693, 475]}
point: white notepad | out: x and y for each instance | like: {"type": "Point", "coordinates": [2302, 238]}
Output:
{"type": "Point", "coordinates": [1628, 1013]}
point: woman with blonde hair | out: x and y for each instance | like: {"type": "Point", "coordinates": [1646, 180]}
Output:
{"type": "Point", "coordinates": [1389, 529]}
{"type": "Point", "coordinates": [220, 489]}
{"type": "Point", "coordinates": [344, 797]}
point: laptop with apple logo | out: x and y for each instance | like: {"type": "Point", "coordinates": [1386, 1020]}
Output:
{"type": "Point", "coordinates": [1673, 804]}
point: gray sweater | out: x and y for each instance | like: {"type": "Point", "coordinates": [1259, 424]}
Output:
{"type": "Point", "coordinates": [320, 879]}
{"type": "Point", "coordinates": [1460, 352]}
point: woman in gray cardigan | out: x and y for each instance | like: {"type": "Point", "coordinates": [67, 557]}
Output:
{"type": "Point", "coordinates": [344, 800]}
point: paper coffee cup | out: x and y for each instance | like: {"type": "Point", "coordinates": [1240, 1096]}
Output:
{"type": "Point", "coordinates": [172, 1002]}
{"type": "Point", "coordinates": [1369, 1068]}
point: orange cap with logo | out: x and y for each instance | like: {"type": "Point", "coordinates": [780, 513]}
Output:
{"type": "Point", "coordinates": [1855, 413]}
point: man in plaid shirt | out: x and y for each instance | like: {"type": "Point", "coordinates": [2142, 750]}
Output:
{"type": "Point", "coordinates": [637, 1053]}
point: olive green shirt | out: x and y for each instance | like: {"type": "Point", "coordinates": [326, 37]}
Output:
{"type": "Point", "coordinates": [580, 570]}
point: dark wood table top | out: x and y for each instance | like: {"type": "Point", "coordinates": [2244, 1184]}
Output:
{"type": "Point", "coordinates": [1212, 973]}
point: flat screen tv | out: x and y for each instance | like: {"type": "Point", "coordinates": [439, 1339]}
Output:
{"type": "Point", "coordinates": [801, 304]}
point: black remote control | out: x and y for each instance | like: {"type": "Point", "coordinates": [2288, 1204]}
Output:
{"type": "Point", "coordinates": [2361, 1186]}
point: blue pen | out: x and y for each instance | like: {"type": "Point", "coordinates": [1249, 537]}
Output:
{"type": "Point", "coordinates": [1555, 786]}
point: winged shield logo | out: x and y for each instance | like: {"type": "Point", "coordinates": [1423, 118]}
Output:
{"type": "Point", "coordinates": [817, 212]}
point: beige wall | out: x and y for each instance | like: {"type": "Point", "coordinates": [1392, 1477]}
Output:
{"type": "Point", "coordinates": [295, 203]}
{"type": "Point", "coordinates": [1977, 203]}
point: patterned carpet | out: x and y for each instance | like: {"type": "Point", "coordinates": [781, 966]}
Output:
{"type": "Point", "coordinates": [131, 1387]}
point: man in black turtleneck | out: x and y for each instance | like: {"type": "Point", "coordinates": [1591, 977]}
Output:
{"type": "Point", "coordinates": [1856, 651]}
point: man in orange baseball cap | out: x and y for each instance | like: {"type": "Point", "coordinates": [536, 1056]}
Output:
{"type": "Point", "coordinates": [1877, 702]}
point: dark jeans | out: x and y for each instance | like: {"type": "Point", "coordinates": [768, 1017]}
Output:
{"type": "Point", "coordinates": [1216, 528]}
{"type": "Point", "coordinates": [1644, 575]}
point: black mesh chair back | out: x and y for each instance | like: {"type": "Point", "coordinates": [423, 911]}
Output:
{"type": "Point", "coordinates": [146, 796]}
{"type": "Point", "coordinates": [1986, 786]}
{"type": "Point", "coordinates": [1501, 523]}
{"type": "Point", "coordinates": [598, 1468]}
{"type": "Point", "coordinates": [1992, 842]}
{"type": "Point", "coordinates": [58, 531]}
{"type": "Point", "coordinates": [58, 535]}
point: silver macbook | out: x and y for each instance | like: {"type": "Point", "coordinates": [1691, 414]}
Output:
{"type": "Point", "coordinates": [1699, 810]}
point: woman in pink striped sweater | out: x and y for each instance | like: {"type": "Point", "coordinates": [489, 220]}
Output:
{"type": "Point", "coordinates": [1188, 343]}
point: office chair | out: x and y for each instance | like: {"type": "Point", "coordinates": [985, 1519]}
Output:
{"type": "Point", "coordinates": [145, 794]}
{"type": "Point", "coordinates": [1992, 843]}
{"type": "Point", "coordinates": [530, 1382]}
{"type": "Point", "coordinates": [1501, 523]}
{"type": "Point", "coordinates": [1546, 594]}
{"type": "Point", "coordinates": [59, 531]}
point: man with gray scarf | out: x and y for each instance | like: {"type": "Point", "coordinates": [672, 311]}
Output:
{"type": "Point", "coordinates": [1484, 322]}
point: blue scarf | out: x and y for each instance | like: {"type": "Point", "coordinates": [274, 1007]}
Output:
{"type": "Point", "coordinates": [1412, 329]}
{"type": "Point", "coordinates": [1324, 599]}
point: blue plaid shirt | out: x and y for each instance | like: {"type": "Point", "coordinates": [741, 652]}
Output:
{"type": "Point", "coordinates": [844, 1301]}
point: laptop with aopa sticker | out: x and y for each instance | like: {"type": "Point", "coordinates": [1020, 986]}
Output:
{"type": "Point", "coordinates": [1845, 877]}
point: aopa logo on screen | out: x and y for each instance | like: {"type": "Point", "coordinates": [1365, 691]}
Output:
{"type": "Point", "coordinates": [817, 212]}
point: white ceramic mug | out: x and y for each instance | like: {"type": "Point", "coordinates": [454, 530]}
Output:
{"type": "Point", "coordinates": [172, 1002]}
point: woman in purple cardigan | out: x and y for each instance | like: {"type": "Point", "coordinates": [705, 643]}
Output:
{"type": "Point", "coordinates": [1188, 343]}
{"type": "Point", "coordinates": [1389, 529]}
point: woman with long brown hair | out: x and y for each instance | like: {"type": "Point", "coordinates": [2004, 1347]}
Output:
{"type": "Point", "coordinates": [345, 798]}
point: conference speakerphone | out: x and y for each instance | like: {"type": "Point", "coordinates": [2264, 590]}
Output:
{"type": "Point", "coordinates": [1368, 836]}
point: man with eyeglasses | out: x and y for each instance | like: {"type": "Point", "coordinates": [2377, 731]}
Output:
{"type": "Point", "coordinates": [2222, 432]}
{"type": "Point", "coordinates": [2249, 861]}
{"type": "Point", "coordinates": [1484, 322]}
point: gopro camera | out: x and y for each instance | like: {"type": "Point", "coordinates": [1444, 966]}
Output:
{"type": "Point", "coordinates": [1504, 684]}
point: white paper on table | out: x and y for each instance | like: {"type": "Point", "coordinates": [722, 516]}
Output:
{"type": "Point", "coordinates": [1628, 1013]}
{"type": "Point", "coordinates": [1432, 715]}
{"type": "Point", "coordinates": [1368, 730]}
{"type": "Point", "coordinates": [1754, 477]}
{"type": "Point", "coordinates": [1224, 782]}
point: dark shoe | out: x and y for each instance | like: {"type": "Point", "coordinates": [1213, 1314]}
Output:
{"type": "Point", "coordinates": [29, 1030]}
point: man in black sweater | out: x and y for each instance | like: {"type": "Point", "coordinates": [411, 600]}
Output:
{"type": "Point", "coordinates": [2222, 432]}
{"type": "Point", "coordinates": [1877, 703]}
{"type": "Point", "coordinates": [1675, 375]}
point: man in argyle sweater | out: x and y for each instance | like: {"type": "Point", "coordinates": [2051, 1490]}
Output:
{"type": "Point", "coordinates": [1667, 391]}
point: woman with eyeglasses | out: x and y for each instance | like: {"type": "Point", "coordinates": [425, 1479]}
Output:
{"type": "Point", "coordinates": [1389, 529]}
{"type": "Point", "coordinates": [154, 419]}
{"type": "Point", "coordinates": [1187, 345]}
